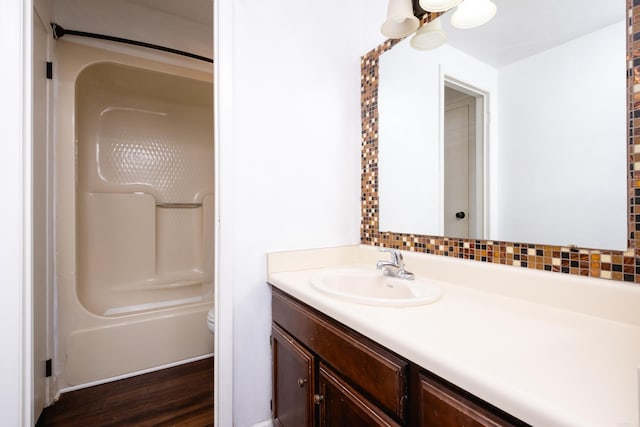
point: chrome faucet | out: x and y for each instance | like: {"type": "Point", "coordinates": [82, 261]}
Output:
{"type": "Point", "coordinates": [395, 267]}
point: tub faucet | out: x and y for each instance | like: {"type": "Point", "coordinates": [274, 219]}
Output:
{"type": "Point", "coordinates": [395, 267]}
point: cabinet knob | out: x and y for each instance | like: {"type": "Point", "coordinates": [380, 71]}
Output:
{"type": "Point", "coordinates": [317, 398]}
{"type": "Point", "coordinates": [302, 382]}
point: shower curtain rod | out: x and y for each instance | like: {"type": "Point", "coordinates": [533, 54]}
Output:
{"type": "Point", "coordinates": [58, 32]}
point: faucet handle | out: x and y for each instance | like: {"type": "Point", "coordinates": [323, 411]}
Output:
{"type": "Point", "coordinates": [396, 255]}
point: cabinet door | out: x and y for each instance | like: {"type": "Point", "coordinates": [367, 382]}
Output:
{"type": "Point", "coordinates": [441, 406]}
{"type": "Point", "coordinates": [341, 405]}
{"type": "Point", "coordinates": [293, 381]}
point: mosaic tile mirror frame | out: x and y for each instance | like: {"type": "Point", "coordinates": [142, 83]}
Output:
{"type": "Point", "coordinates": [608, 264]}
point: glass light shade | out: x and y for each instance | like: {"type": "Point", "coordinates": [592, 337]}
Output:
{"type": "Point", "coordinates": [430, 36]}
{"type": "Point", "coordinates": [438, 5]}
{"type": "Point", "coordinates": [473, 13]}
{"type": "Point", "coordinates": [400, 20]}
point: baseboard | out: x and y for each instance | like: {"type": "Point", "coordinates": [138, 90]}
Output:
{"type": "Point", "coordinates": [265, 423]}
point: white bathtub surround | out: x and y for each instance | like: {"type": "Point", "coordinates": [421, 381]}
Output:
{"type": "Point", "coordinates": [144, 193]}
{"type": "Point", "coordinates": [131, 213]}
{"type": "Point", "coordinates": [551, 349]}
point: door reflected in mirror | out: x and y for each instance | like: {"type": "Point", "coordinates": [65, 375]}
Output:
{"type": "Point", "coordinates": [537, 155]}
{"type": "Point", "coordinates": [463, 162]}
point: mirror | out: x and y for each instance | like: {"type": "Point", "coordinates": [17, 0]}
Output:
{"type": "Point", "coordinates": [538, 95]}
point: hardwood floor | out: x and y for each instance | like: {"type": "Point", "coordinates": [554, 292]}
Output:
{"type": "Point", "coordinates": [179, 396]}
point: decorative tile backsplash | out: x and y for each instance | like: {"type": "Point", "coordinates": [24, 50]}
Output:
{"type": "Point", "coordinates": [616, 265]}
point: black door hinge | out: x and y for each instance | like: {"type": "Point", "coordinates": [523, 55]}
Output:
{"type": "Point", "coordinates": [49, 70]}
{"type": "Point", "coordinates": [48, 369]}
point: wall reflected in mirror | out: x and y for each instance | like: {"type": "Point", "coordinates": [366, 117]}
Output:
{"type": "Point", "coordinates": [510, 131]}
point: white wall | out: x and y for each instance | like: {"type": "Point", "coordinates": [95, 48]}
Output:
{"type": "Point", "coordinates": [15, 335]}
{"type": "Point", "coordinates": [580, 145]}
{"type": "Point", "coordinates": [290, 175]}
{"type": "Point", "coordinates": [372, 15]}
{"type": "Point", "coordinates": [411, 170]}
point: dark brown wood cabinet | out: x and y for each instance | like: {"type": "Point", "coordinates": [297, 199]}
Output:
{"type": "Point", "coordinates": [293, 381]}
{"type": "Point", "coordinates": [341, 405]}
{"type": "Point", "coordinates": [441, 405]}
{"type": "Point", "coordinates": [326, 374]}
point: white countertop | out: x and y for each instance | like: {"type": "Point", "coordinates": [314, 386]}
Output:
{"type": "Point", "coordinates": [547, 361]}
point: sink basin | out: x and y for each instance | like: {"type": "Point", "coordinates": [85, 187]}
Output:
{"type": "Point", "coordinates": [373, 288]}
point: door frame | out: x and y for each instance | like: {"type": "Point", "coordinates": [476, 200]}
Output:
{"type": "Point", "coordinates": [44, 290]}
{"type": "Point", "coordinates": [223, 122]}
{"type": "Point", "coordinates": [16, 257]}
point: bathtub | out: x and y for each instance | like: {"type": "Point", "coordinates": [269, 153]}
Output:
{"type": "Point", "coordinates": [134, 212]}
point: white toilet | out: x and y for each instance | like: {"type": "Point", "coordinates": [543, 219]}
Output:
{"type": "Point", "coordinates": [211, 320]}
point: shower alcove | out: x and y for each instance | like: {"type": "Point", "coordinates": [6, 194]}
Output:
{"type": "Point", "coordinates": [135, 208]}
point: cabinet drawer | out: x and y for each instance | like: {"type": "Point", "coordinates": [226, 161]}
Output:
{"type": "Point", "coordinates": [341, 405]}
{"type": "Point", "coordinates": [377, 372]}
{"type": "Point", "coordinates": [439, 405]}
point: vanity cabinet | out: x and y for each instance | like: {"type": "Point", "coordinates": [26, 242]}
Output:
{"type": "Point", "coordinates": [326, 374]}
{"type": "Point", "coordinates": [296, 402]}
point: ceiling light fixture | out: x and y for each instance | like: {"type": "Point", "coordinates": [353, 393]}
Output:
{"type": "Point", "coordinates": [400, 20]}
{"type": "Point", "coordinates": [429, 36]}
{"type": "Point", "coordinates": [473, 13]}
{"type": "Point", "coordinates": [438, 5]}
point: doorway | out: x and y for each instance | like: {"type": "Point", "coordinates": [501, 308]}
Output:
{"type": "Point", "coordinates": [464, 160]}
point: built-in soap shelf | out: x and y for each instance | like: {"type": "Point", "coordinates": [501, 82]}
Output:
{"type": "Point", "coordinates": [168, 205]}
